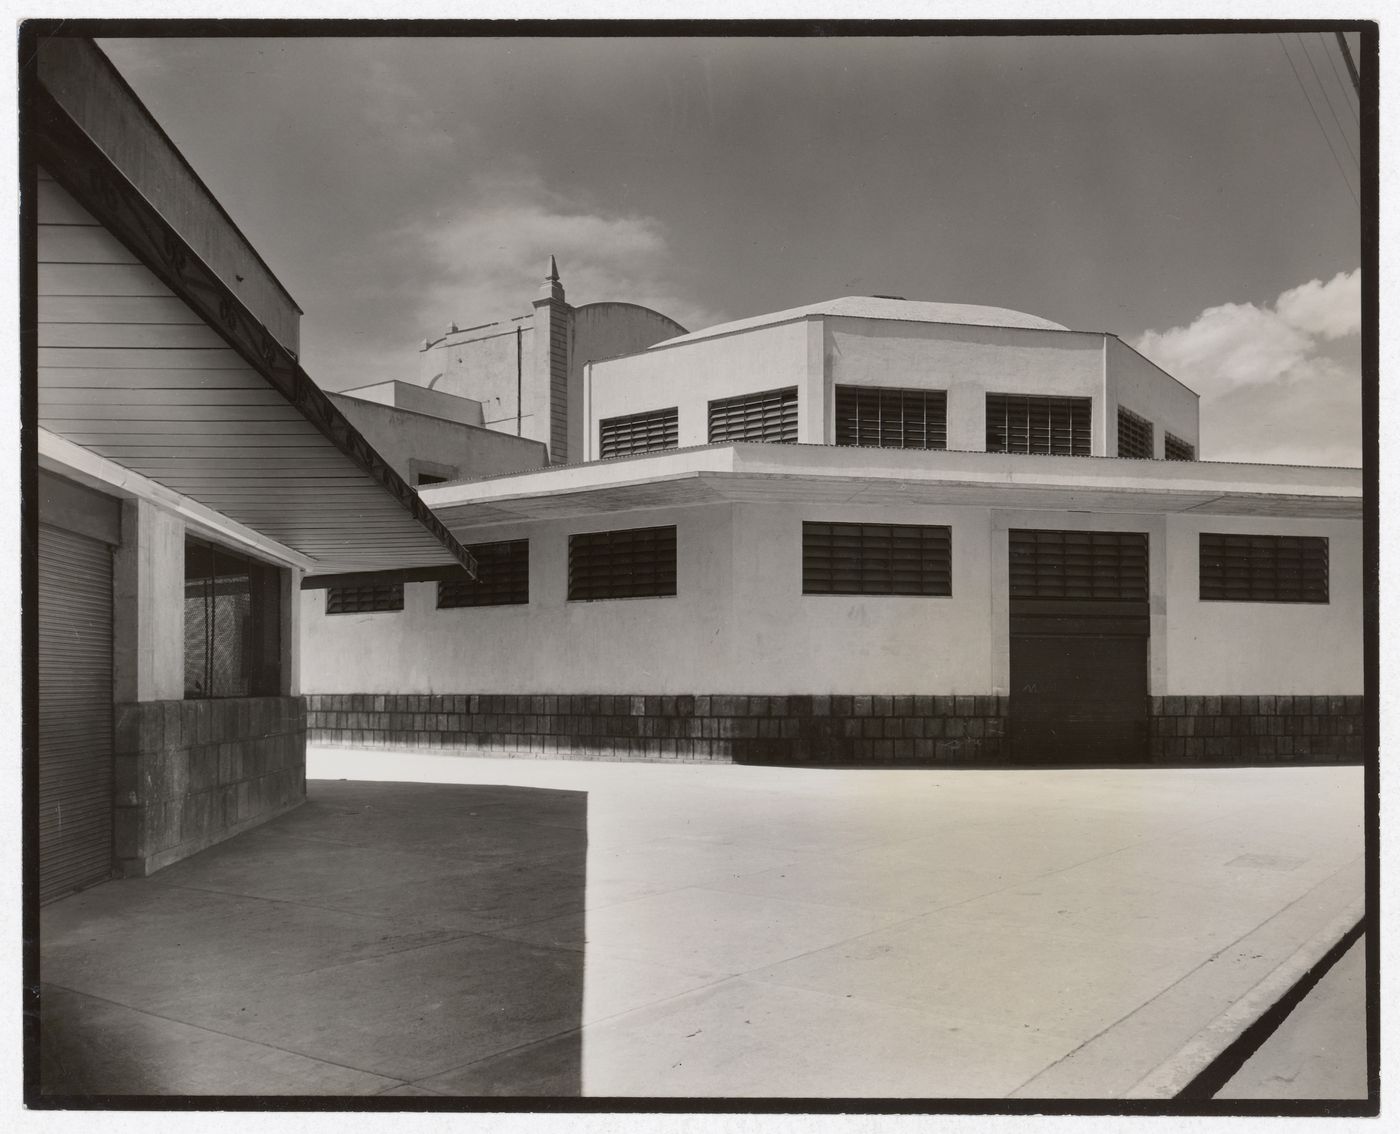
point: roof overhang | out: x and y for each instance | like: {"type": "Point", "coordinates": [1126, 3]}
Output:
{"type": "Point", "coordinates": [245, 432]}
{"type": "Point", "coordinates": [822, 474]}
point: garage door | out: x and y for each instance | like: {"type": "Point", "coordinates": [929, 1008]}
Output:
{"type": "Point", "coordinates": [75, 711]}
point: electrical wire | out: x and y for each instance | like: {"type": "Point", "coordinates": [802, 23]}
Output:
{"type": "Point", "coordinates": [1331, 110]}
{"type": "Point", "coordinates": [1344, 87]}
{"type": "Point", "coordinates": [1330, 148]}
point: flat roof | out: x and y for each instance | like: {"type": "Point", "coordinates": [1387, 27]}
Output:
{"type": "Point", "coordinates": [829, 474]}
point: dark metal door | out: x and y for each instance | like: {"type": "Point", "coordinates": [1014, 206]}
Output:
{"type": "Point", "coordinates": [1079, 647]}
{"type": "Point", "coordinates": [75, 711]}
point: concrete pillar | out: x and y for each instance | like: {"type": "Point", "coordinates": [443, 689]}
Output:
{"type": "Point", "coordinates": [967, 417]}
{"type": "Point", "coordinates": [550, 378]}
{"type": "Point", "coordinates": [815, 421]}
{"type": "Point", "coordinates": [291, 632]}
{"type": "Point", "coordinates": [149, 614]}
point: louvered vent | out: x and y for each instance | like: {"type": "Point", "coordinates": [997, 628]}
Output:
{"type": "Point", "coordinates": [1263, 568]}
{"type": "Point", "coordinates": [635, 563]}
{"type": "Point", "coordinates": [1134, 435]}
{"type": "Point", "coordinates": [876, 559]}
{"type": "Point", "coordinates": [1035, 423]}
{"type": "Point", "coordinates": [1078, 565]}
{"type": "Point", "coordinates": [638, 433]}
{"type": "Point", "coordinates": [769, 416]}
{"type": "Point", "coordinates": [364, 598]}
{"type": "Point", "coordinates": [1177, 449]}
{"type": "Point", "coordinates": [503, 577]}
{"type": "Point", "coordinates": [887, 417]}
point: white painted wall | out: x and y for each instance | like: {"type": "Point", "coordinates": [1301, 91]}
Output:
{"type": "Point", "coordinates": [1151, 393]}
{"type": "Point", "coordinates": [1257, 647]}
{"type": "Point", "coordinates": [689, 375]}
{"type": "Point", "coordinates": [740, 623]}
{"type": "Point", "coordinates": [969, 362]}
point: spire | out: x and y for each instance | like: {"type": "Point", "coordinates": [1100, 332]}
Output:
{"type": "Point", "coordinates": [552, 288]}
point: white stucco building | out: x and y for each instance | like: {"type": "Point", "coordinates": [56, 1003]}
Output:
{"type": "Point", "coordinates": [869, 530]}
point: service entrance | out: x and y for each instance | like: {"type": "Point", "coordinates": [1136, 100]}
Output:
{"type": "Point", "coordinates": [1079, 639]}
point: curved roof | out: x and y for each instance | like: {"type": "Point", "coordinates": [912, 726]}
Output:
{"type": "Point", "coordinates": [878, 307]}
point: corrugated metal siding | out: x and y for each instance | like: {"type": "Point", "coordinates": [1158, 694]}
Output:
{"type": "Point", "coordinates": [75, 712]}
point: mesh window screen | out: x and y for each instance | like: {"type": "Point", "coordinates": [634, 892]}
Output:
{"type": "Point", "coordinates": [769, 416]}
{"type": "Point", "coordinates": [637, 563]}
{"type": "Point", "coordinates": [1263, 568]}
{"type": "Point", "coordinates": [638, 433]}
{"type": "Point", "coordinates": [1134, 435]}
{"type": "Point", "coordinates": [876, 559]}
{"type": "Point", "coordinates": [232, 624]}
{"type": "Point", "coordinates": [887, 417]}
{"type": "Point", "coordinates": [1078, 565]}
{"type": "Point", "coordinates": [1177, 449]}
{"type": "Point", "coordinates": [364, 598]}
{"type": "Point", "coordinates": [503, 577]}
{"type": "Point", "coordinates": [1034, 423]}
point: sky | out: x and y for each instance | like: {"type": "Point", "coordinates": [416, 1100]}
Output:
{"type": "Point", "coordinates": [1194, 195]}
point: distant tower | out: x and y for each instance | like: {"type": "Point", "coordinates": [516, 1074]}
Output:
{"type": "Point", "coordinates": [553, 331]}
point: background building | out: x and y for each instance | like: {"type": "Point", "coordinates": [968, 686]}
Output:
{"type": "Point", "coordinates": [873, 530]}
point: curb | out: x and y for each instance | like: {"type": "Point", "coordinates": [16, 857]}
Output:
{"type": "Point", "coordinates": [1178, 1074]}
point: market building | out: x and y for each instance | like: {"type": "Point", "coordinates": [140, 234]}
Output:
{"type": "Point", "coordinates": [869, 530]}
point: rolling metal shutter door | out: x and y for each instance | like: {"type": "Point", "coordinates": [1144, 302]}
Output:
{"type": "Point", "coordinates": [75, 712]}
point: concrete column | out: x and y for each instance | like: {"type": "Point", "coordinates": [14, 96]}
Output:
{"type": "Point", "coordinates": [291, 632]}
{"type": "Point", "coordinates": [815, 422]}
{"type": "Point", "coordinates": [149, 610]}
{"type": "Point", "coordinates": [967, 417]}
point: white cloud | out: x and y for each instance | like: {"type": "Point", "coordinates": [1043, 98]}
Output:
{"type": "Point", "coordinates": [491, 259]}
{"type": "Point", "coordinates": [1278, 383]}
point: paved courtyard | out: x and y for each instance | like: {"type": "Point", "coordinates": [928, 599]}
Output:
{"type": "Point", "coordinates": [547, 927]}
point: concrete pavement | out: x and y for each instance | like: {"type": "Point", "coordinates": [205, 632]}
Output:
{"type": "Point", "coordinates": [545, 927]}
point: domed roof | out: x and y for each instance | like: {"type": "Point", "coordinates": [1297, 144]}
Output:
{"type": "Point", "coordinates": [883, 307]}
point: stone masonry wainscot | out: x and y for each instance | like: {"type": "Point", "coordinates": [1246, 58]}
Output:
{"type": "Point", "coordinates": [1258, 730]}
{"type": "Point", "coordinates": [719, 728]}
{"type": "Point", "coordinates": [191, 773]}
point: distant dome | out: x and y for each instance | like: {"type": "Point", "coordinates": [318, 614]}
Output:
{"type": "Point", "coordinates": [881, 307]}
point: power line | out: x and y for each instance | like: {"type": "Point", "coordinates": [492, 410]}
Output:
{"type": "Point", "coordinates": [1330, 148]}
{"type": "Point", "coordinates": [1330, 109]}
{"type": "Point", "coordinates": [1351, 63]}
{"type": "Point", "coordinates": [1337, 75]}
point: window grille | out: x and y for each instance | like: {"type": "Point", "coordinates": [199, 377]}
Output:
{"type": "Point", "coordinates": [1035, 423]}
{"type": "Point", "coordinates": [769, 416]}
{"type": "Point", "coordinates": [233, 624]}
{"type": "Point", "coordinates": [1078, 565]}
{"type": "Point", "coordinates": [1263, 568]}
{"type": "Point", "coordinates": [635, 563]}
{"type": "Point", "coordinates": [364, 598]}
{"type": "Point", "coordinates": [1134, 435]}
{"type": "Point", "coordinates": [638, 433]}
{"type": "Point", "coordinates": [876, 559]}
{"type": "Point", "coordinates": [1177, 449]}
{"type": "Point", "coordinates": [503, 577]}
{"type": "Point", "coordinates": [887, 417]}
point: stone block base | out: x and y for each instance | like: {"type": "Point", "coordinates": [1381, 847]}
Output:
{"type": "Point", "coordinates": [720, 728]}
{"type": "Point", "coordinates": [1257, 729]}
{"type": "Point", "coordinates": [192, 773]}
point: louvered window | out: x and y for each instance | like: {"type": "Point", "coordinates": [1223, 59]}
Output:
{"type": "Point", "coordinates": [1263, 568]}
{"type": "Point", "coordinates": [233, 624]}
{"type": "Point", "coordinates": [1134, 435]}
{"type": "Point", "coordinates": [876, 559]}
{"type": "Point", "coordinates": [1177, 449]}
{"type": "Point", "coordinates": [503, 577]}
{"type": "Point", "coordinates": [1034, 423]}
{"type": "Point", "coordinates": [635, 563]}
{"type": "Point", "coordinates": [769, 416]}
{"type": "Point", "coordinates": [638, 433]}
{"type": "Point", "coordinates": [364, 598]}
{"type": "Point", "coordinates": [1078, 565]}
{"type": "Point", "coordinates": [890, 418]}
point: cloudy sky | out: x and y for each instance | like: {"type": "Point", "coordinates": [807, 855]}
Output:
{"type": "Point", "coordinates": [1195, 195]}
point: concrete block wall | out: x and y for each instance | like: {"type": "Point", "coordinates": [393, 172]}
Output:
{"type": "Point", "coordinates": [192, 773]}
{"type": "Point", "coordinates": [1258, 729]}
{"type": "Point", "coordinates": [719, 728]}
